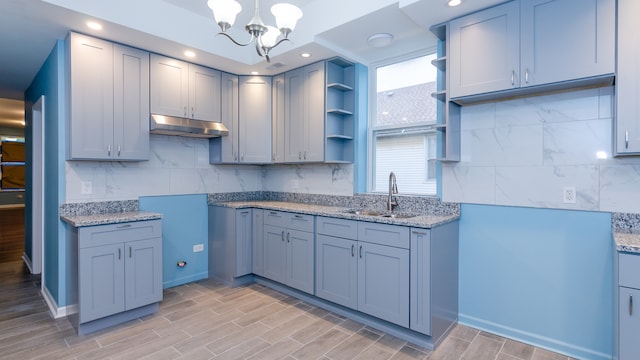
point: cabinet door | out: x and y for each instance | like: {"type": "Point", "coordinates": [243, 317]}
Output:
{"type": "Point", "coordinates": [169, 86]}
{"type": "Point", "coordinates": [383, 282]}
{"type": "Point", "coordinates": [300, 260]}
{"type": "Point", "coordinates": [91, 125]}
{"type": "Point", "coordinates": [274, 253]}
{"type": "Point", "coordinates": [130, 103]}
{"type": "Point", "coordinates": [314, 107]}
{"type": "Point", "coordinates": [337, 270]}
{"type": "Point", "coordinates": [229, 110]}
{"type": "Point", "coordinates": [143, 269]}
{"type": "Point", "coordinates": [294, 115]}
{"type": "Point", "coordinates": [255, 119]}
{"type": "Point", "coordinates": [277, 119]}
{"type": "Point", "coordinates": [420, 282]}
{"type": "Point", "coordinates": [258, 234]}
{"type": "Point", "coordinates": [629, 316]}
{"type": "Point", "coordinates": [484, 51]}
{"type": "Point", "coordinates": [566, 39]}
{"type": "Point", "coordinates": [101, 281]}
{"type": "Point", "coordinates": [204, 93]}
{"type": "Point", "coordinates": [627, 120]}
{"type": "Point", "coordinates": [244, 243]}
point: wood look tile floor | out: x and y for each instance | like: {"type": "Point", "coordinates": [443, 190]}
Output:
{"type": "Point", "coordinates": [206, 320]}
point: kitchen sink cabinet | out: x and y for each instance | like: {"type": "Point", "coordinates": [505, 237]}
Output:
{"type": "Point", "coordinates": [184, 90]}
{"type": "Point", "coordinates": [627, 119]}
{"type": "Point", "coordinates": [119, 270]}
{"type": "Point", "coordinates": [109, 100]}
{"type": "Point", "coordinates": [532, 43]}
{"type": "Point", "coordinates": [230, 243]}
{"type": "Point", "coordinates": [628, 314]}
{"type": "Point", "coordinates": [356, 268]}
{"type": "Point", "coordinates": [288, 249]}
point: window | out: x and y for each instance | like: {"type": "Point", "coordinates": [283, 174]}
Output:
{"type": "Point", "coordinates": [401, 129]}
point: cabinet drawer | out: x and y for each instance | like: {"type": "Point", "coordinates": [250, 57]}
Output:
{"type": "Point", "coordinates": [383, 234]}
{"type": "Point", "coordinates": [301, 222]}
{"type": "Point", "coordinates": [275, 218]}
{"type": "Point", "coordinates": [118, 233]}
{"type": "Point", "coordinates": [342, 228]}
{"type": "Point", "coordinates": [629, 270]}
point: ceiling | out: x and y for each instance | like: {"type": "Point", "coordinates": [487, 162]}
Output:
{"type": "Point", "coordinates": [29, 29]}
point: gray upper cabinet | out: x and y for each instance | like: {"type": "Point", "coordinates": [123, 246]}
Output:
{"type": "Point", "coordinates": [277, 119]}
{"type": "Point", "coordinates": [627, 121]}
{"type": "Point", "coordinates": [255, 120]}
{"type": "Point", "coordinates": [184, 90]}
{"type": "Point", "coordinates": [109, 100]}
{"type": "Point", "coordinates": [224, 149]}
{"type": "Point", "coordinates": [530, 43]}
{"type": "Point", "coordinates": [304, 114]}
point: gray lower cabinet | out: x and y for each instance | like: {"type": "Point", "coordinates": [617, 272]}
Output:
{"type": "Point", "coordinates": [258, 240]}
{"type": "Point", "coordinates": [364, 266]}
{"type": "Point", "coordinates": [288, 249]}
{"type": "Point", "coordinates": [230, 243]}
{"type": "Point", "coordinates": [628, 314]}
{"type": "Point", "coordinates": [119, 268]}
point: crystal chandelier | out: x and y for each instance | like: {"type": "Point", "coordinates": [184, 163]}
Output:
{"type": "Point", "coordinates": [264, 37]}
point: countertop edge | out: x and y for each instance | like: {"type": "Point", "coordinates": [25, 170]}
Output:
{"type": "Point", "coordinates": [110, 218]}
{"type": "Point", "coordinates": [424, 221]}
{"type": "Point", "coordinates": [628, 243]}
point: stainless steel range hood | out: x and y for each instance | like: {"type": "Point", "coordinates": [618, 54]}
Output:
{"type": "Point", "coordinates": [171, 125]}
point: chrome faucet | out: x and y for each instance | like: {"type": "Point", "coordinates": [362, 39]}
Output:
{"type": "Point", "coordinates": [393, 189]}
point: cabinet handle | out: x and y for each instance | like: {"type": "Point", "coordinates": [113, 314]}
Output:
{"type": "Point", "coordinates": [235, 156]}
{"type": "Point", "coordinates": [630, 305]}
{"type": "Point", "coordinates": [513, 77]}
{"type": "Point", "coordinates": [108, 150]}
{"type": "Point", "coordinates": [273, 157]}
{"type": "Point", "coordinates": [273, 213]}
{"type": "Point", "coordinates": [298, 216]}
{"type": "Point", "coordinates": [626, 139]}
{"type": "Point", "coordinates": [360, 251]}
{"type": "Point", "coordinates": [185, 111]}
{"type": "Point", "coordinates": [288, 237]}
{"type": "Point", "coordinates": [118, 150]}
{"type": "Point", "coordinates": [526, 76]}
{"type": "Point", "coordinates": [123, 226]}
{"type": "Point", "coordinates": [299, 155]}
{"type": "Point", "coordinates": [419, 232]}
{"type": "Point", "coordinates": [352, 248]}
{"type": "Point", "coordinates": [305, 155]}
{"type": "Point", "coordinates": [119, 253]}
{"type": "Point", "coordinates": [242, 157]}
{"type": "Point", "coordinates": [130, 252]}
{"type": "Point", "coordinates": [192, 113]}
{"type": "Point", "coordinates": [244, 212]}
{"type": "Point", "coordinates": [282, 236]}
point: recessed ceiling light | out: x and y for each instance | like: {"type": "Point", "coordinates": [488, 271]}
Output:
{"type": "Point", "coordinates": [255, 73]}
{"type": "Point", "coordinates": [94, 25]}
{"type": "Point", "coordinates": [454, 2]}
{"type": "Point", "coordinates": [380, 40]}
{"type": "Point", "coordinates": [305, 54]}
{"type": "Point", "coordinates": [189, 53]}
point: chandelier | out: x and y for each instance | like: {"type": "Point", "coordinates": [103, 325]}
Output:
{"type": "Point", "coordinates": [264, 37]}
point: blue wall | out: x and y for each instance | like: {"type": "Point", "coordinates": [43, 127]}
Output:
{"type": "Point", "coordinates": [50, 82]}
{"type": "Point", "coordinates": [184, 224]}
{"type": "Point", "coordinates": [542, 276]}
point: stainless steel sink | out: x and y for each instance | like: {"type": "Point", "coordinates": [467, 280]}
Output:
{"type": "Point", "coordinates": [399, 216]}
{"type": "Point", "coordinates": [379, 214]}
{"type": "Point", "coordinates": [365, 212]}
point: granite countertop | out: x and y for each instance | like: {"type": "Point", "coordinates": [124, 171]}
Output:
{"type": "Point", "coordinates": [425, 221]}
{"type": "Point", "coordinates": [627, 242]}
{"type": "Point", "coordinates": [110, 218]}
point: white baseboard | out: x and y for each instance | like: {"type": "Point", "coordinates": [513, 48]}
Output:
{"type": "Point", "coordinates": [55, 311]}
{"type": "Point", "coordinates": [27, 262]}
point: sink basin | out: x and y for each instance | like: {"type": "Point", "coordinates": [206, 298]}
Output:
{"type": "Point", "coordinates": [398, 216]}
{"type": "Point", "coordinates": [365, 212]}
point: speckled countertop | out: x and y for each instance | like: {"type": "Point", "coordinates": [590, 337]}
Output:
{"type": "Point", "coordinates": [626, 231]}
{"type": "Point", "coordinates": [109, 218]}
{"type": "Point", "coordinates": [425, 221]}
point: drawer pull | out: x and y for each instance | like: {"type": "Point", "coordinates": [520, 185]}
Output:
{"type": "Point", "coordinates": [123, 226]}
{"type": "Point", "coordinates": [298, 216]}
{"type": "Point", "coordinates": [352, 248]}
{"type": "Point", "coordinates": [630, 305]}
{"type": "Point", "coordinates": [419, 232]}
{"type": "Point", "coordinates": [273, 213]}
{"type": "Point", "coordinates": [244, 212]}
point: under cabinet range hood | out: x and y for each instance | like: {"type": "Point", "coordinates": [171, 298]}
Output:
{"type": "Point", "coordinates": [171, 125]}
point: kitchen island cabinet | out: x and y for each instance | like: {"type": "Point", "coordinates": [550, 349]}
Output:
{"type": "Point", "coordinates": [109, 100]}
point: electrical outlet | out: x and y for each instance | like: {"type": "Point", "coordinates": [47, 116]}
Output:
{"type": "Point", "coordinates": [198, 248]}
{"type": "Point", "coordinates": [569, 195]}
{"type": "Point", "coordinates": [86, 187]}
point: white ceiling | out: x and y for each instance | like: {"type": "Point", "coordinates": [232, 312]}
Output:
{"type": "Point", "coordinates": [29, 29]}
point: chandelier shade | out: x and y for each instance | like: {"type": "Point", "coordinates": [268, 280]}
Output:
{"type": "Point", "coordinates": [264, 37]}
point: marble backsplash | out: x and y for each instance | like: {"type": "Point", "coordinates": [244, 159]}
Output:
{"type": "Point", "coordinates": [523, 152]}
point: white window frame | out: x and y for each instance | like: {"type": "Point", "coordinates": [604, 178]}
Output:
{"type": "Point", "coordinates": [372, 129]}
